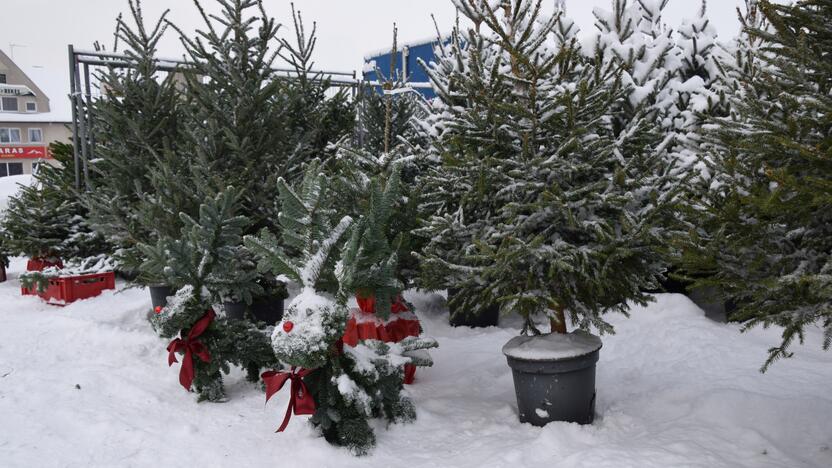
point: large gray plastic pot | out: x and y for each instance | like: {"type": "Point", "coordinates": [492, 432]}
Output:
{"type": "Point", "coordinates": [554, 376]}
{"type": "Point", "coordinates": [159, 295]}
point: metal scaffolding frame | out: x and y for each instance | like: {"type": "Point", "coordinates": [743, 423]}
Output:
{"type": "Point", "coordinates": [81, 96]}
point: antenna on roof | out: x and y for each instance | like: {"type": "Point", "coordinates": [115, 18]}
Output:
{"type": "Point", "coordinates": [11, 49]}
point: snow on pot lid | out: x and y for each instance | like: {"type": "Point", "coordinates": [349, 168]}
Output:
{"type": "Point", "coordinates": [552, 346]}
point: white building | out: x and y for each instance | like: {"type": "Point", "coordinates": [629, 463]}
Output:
{"type": "Point", "coordinates": [29, 119]}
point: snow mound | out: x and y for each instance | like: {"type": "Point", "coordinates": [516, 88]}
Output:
{"type": "Point", "coordinates": [552, 346]}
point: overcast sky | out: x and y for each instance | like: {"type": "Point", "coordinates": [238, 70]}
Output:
{"type": "Point", "coordinates": [347, 29]}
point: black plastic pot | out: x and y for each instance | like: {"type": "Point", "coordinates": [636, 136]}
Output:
{"type": "Point", "coordinates": [488, 316]}
{"type": "Point", "coordinates": [2, 273]}
{"type": "Point", "coordinates": [710, 299]}
{"type": "Point", "coordinates": [235, 310]}
{"type": "Point", "coordinates": [555, 389]}
{"type": "Point", "coordinates": [673, 285]}
{"type": "Point", "coordinates": [159, 295]}
{"type": "Point", "coordinates": [267, 309]}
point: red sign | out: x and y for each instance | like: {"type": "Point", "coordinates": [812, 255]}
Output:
{"type": "Point", "coordinates": [24, 152]}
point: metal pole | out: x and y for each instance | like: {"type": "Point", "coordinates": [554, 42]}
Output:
{"type": "Point", "coordinates": [82, 124]}
{"type": "Point", "coordinates": [90, 135]}
{"type": "Point", "coordinates": [74, 117]}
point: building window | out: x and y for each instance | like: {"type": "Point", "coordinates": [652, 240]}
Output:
{"type": "Point", "coordinates": [35, 135]}
{"type": "Point", "coordinates": [31, 107]}
{"type": "Point", "coordinates": [2, 78]}
{"type": "Point", "coordinates": [10, 169]}
{"type": "Point", "coordinates": [9, 135]}
{"type": "Point", "coordinates": [8, 104]}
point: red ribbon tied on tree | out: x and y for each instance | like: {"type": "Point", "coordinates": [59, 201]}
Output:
{"type": "Point", "coordinates": [300, 400]}
{"type": "Point", "coordinates": [191, 346]}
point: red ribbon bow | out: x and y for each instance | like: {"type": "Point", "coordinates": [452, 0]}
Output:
{"type": "Point", "coordinates": [300, 400]}
{"type": "Point", "coordinates": [191, 347]}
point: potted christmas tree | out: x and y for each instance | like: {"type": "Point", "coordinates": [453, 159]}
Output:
{"type": "Point", "coordinates": [568, 223]}
{"type": "Point", "coordinates": [195, 263]}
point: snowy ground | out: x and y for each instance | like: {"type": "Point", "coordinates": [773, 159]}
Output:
{"type": "Point", "coordinates": [88, 385]}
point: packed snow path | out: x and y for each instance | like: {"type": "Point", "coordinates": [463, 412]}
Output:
{"type": "Point", "coordinates": [88, 385]}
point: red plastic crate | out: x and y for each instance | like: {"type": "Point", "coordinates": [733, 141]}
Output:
{"type": "Point", "coordinates": [40, 264]}
{"type": "Point", "coordinates": [62, 291]}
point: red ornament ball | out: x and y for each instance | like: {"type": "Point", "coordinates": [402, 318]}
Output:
{"type": "Point", "coordinates": [288, 326]}
{"type": "Point", "coordinates": [158, 309]}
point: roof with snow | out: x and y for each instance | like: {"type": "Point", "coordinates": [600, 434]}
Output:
{"type": "Point", "coordinates": [412, 44]}
{"type": "Point", "coordinates": [51, 83]}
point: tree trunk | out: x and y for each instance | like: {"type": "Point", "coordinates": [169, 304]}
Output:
{"type": "Point", "coordinates": [558, 322]}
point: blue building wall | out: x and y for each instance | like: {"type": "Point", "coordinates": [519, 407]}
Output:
{"type": "Point", "coordinates": [415, 72]}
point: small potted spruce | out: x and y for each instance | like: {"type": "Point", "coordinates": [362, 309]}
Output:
{"type": "Point", "coordinates": [235, 302]}
{"type": "Point", "coordinates": [151, 273]}
{"type": "Point", "coordinates": [207, 344]}
{"type": "Point", "coordinates": [559, 213]}
{"type": "Point", "coordinates": [171, 264]}
{"type": "Point", "coordinates": [369, 264]}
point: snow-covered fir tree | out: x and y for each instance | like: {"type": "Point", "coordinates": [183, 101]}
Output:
{"type": "Point", "coordinates": [634, 37]}
{"type": "Point", "coordinates": [733, 62]}
{"type": "Point", "coordinates": [695, 90]}
{"type": "Point", "coordinates": [769, 238]}
{"type": "Point", "coordinates": [138, 125]}
{"type": "Point", "coordinates": [464, 137]}
{"type": "Point", "coordinates": [46, 219]}
{"type": "Point", "coordinates": [537, 204]}
{"type": "Point", "coordinates": [36, 223]}
{"type": "Point", "coordinates": [246, 124]}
